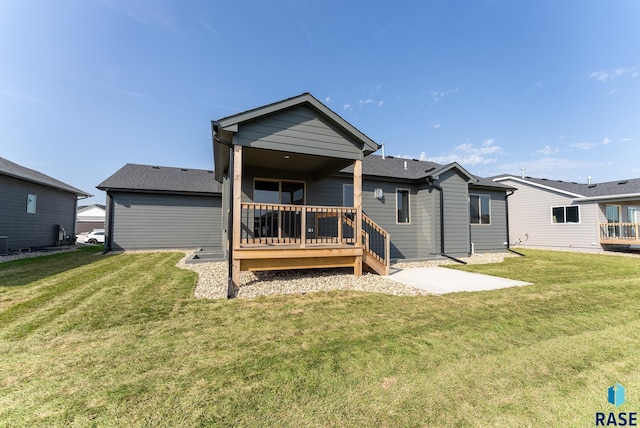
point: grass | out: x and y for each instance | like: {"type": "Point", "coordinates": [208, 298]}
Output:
{"type": "Point", "coordinates": [89, 339]}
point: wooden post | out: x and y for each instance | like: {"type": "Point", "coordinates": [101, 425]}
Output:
{"type": "Point", "coordinates": [357, 204]}
{"type": "Point", "coordinates": [237, 210]}
{"type": "Point", "coordinates": [303, 226]}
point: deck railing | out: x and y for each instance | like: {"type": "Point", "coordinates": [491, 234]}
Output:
{"type": "Point", "coordinates": [296, 224]}
{"type": "Point", "coordinates": [620, 231]}
{"type": "Point", "coordinates": [376, 240]}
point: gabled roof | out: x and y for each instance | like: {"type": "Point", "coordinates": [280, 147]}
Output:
{"type": "Point", "coordinates": [582, 191]}
{"type": "Point", "coordinates": [87, 207]}
{"type": "Point", "coordinates": [17, 171]}
{"type": "Point", "coordinates": [394, 167]}
{"type": "Point", "coordinates": [135, 177]}
{"type": "Point", "coordinates": [305, 98]}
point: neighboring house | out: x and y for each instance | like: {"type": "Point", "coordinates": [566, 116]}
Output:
{"type": "Point", "coordinates": [554, 213]}
{"type": "Point", "coordinates": [90, 217]}
{"type": "Point", "coordinates": [150, 207]}
{"type": "Point", "coordinates": [36, 210]}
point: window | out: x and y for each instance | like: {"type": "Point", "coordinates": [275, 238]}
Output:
{"type": "Point", "coordinates": [631, 214]}
{"type": "Point", "coordinates": [278, 192]}
{"type": "Point", "coordinates": [567, 214]}
{"type": "Point", "coordinates": [480, 209]}
{"type": "Point", "coordinates": [402, 205]}
{"type": "Point", "coordinates": [347, 195]}
{"type": "Point", "coordinates": [31, 204]}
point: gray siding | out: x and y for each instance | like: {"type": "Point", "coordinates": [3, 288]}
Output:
{"type": "Point", "coordinates": [24, 230]}
{"type": "Point", "coordinates": [427, 203]}
{"type": "Point", "coordinates": [299, 130]}
{"type": "Point", "coordinates": [491, 237]}
{"type": "Point", "coordinates": [154, 221]}
{"type": "Point", "coordinates": [456, 214]}
{"type": "Point", "coordinates": [530, 219]}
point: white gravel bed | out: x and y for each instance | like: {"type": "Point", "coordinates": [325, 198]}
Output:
{"type": "Point", "coordinates": [212, 281]}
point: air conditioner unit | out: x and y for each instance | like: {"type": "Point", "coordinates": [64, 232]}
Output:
{"type": "Point", "coordinates": [4, 245]}
{"type": "Point", "coordinates": [378, 193]}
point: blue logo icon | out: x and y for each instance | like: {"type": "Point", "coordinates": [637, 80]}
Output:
{"type": "Point", "coordinates": [615, 395]}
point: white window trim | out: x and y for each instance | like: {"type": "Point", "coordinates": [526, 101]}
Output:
{"type": "Point", "coordinates": [279, 181]}
{"type": "Point", "coordinates": [479, 195]}
{"type": "Point", "coordinates": [565, 214]}
{"type": "Point", "coordinates": [344, 185]}
{"type": "Point", "coordinates": [34, 198]}
{"type": "Point", "coordinates": [408, 204]}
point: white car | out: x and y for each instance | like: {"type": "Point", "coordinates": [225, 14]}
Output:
{"type": "Point", "coordinates": [95, 237]}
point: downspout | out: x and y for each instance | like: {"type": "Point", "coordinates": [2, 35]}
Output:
{"type": "Point", "coordinates": [431, 184]}
{"type": "Point", "coordinates": [108, 241]}
{"type": "Point", "coordinates": [506, 207]}
{"type": "Point", "coordinates": [230, 219]}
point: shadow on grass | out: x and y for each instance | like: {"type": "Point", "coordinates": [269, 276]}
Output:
{"type": "Point", "coordinates": [24, 271]}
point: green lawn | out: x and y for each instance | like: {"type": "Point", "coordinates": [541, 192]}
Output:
{"type": "Point", "coordinates": [89, 339]}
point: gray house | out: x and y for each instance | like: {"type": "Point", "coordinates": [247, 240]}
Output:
{"type": "Point", "coordinates": [304, 191]}
{"type": "Point", "coordinates": [162, 207]}
{"type": "Point", "coordinates": [561, 214]}
{"type": "Point", "coordinates": [296, 186]}
{"type": "Point", "coordinates": [36, 210]}
{"type": "Point", "coordinates": [90, 217]}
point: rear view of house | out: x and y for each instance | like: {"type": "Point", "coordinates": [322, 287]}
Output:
{"type": "Point", "coordinates": [36, 210]}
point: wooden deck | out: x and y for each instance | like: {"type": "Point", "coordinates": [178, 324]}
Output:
{"type": "Point", "coordinates": [291, 256]}
{"type": "Point", "coordinates": [620, 233]}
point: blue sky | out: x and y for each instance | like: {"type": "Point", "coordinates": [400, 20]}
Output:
{"type": "Point", "coordinates": [551, 86]}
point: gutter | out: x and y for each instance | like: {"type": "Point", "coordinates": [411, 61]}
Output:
{"type": "Point", "coordinates": [506, 208]}
{"type": "Point", "coordinates": [108, 241]}
{"type": "Point", "coordinates": [230, 219]}
{"type": "Point", "coordinates": [432, 185]}
{"type": "Point", "coordinates": [608, 197]}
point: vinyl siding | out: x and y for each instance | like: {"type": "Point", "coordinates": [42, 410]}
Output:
{"type": "Point", "coordinates": [530, 219]}
{"type": "Point", "coordinates": [491, 237]}
{"type": "Point", "coordinates": [427, 203]}
{"type": "Point", "coordinates": [298, 130]}
{"type": "Point", "coordinates": [24, 230]}
{"type": "Point", "coordinates": [154, 221]}
{"type": "Point", "coordinates": [456, 214]}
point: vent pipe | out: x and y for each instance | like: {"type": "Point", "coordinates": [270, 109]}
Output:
{"type": "Point", "coordinates": [382, 151]}
{"type": "Point", "coordinates": [589, 179]}
{"type": "Point", "coordinates": [522, 169]}
{"type": "Point", "coordinates": [405, 165]}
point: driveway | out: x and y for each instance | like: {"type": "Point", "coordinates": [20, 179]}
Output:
{"type": "Point", "coordinates": [439, 280]}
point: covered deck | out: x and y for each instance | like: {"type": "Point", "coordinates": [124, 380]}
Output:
{"type": "Point", "coordinates": [294, 141]}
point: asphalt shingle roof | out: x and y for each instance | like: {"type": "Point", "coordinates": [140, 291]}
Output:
{"type": "Point", "coordinates": [162, 179]}
{"type": "Point", "coordinates": [13, 169]}
{"type": "Point", "coordinates": [393, 167]}
{"type": "Point", "coordinates": [609, 188]}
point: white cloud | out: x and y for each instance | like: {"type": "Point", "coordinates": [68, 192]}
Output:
{"type": "Point", "coordinates": [588, 146]}
{"type": "Point", "coordinates": [19, 95]}
{"type": "Point", "coordinates": [346, 107]}
{"type": "Point", "coordinates": [468, 154]}
{"type": "Point", "coordinates": [436, 125]}
{"type": "Point", "coordinates": [582, 146]}
{"type": "Point", "coordinates": [547, 150]}
{"type": "Point", "coordinates": [625, 140]}
{"type": "Point", "coordinates": [553, 168]}
{"type": "Point", "coordinates": [370, 101]}
{"type": "Point", "coordinates": [327, 99]}
{"type": "Point", "coordinates": [607, 75]}
{"type": "Point", "coordinates": [439, 95]}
